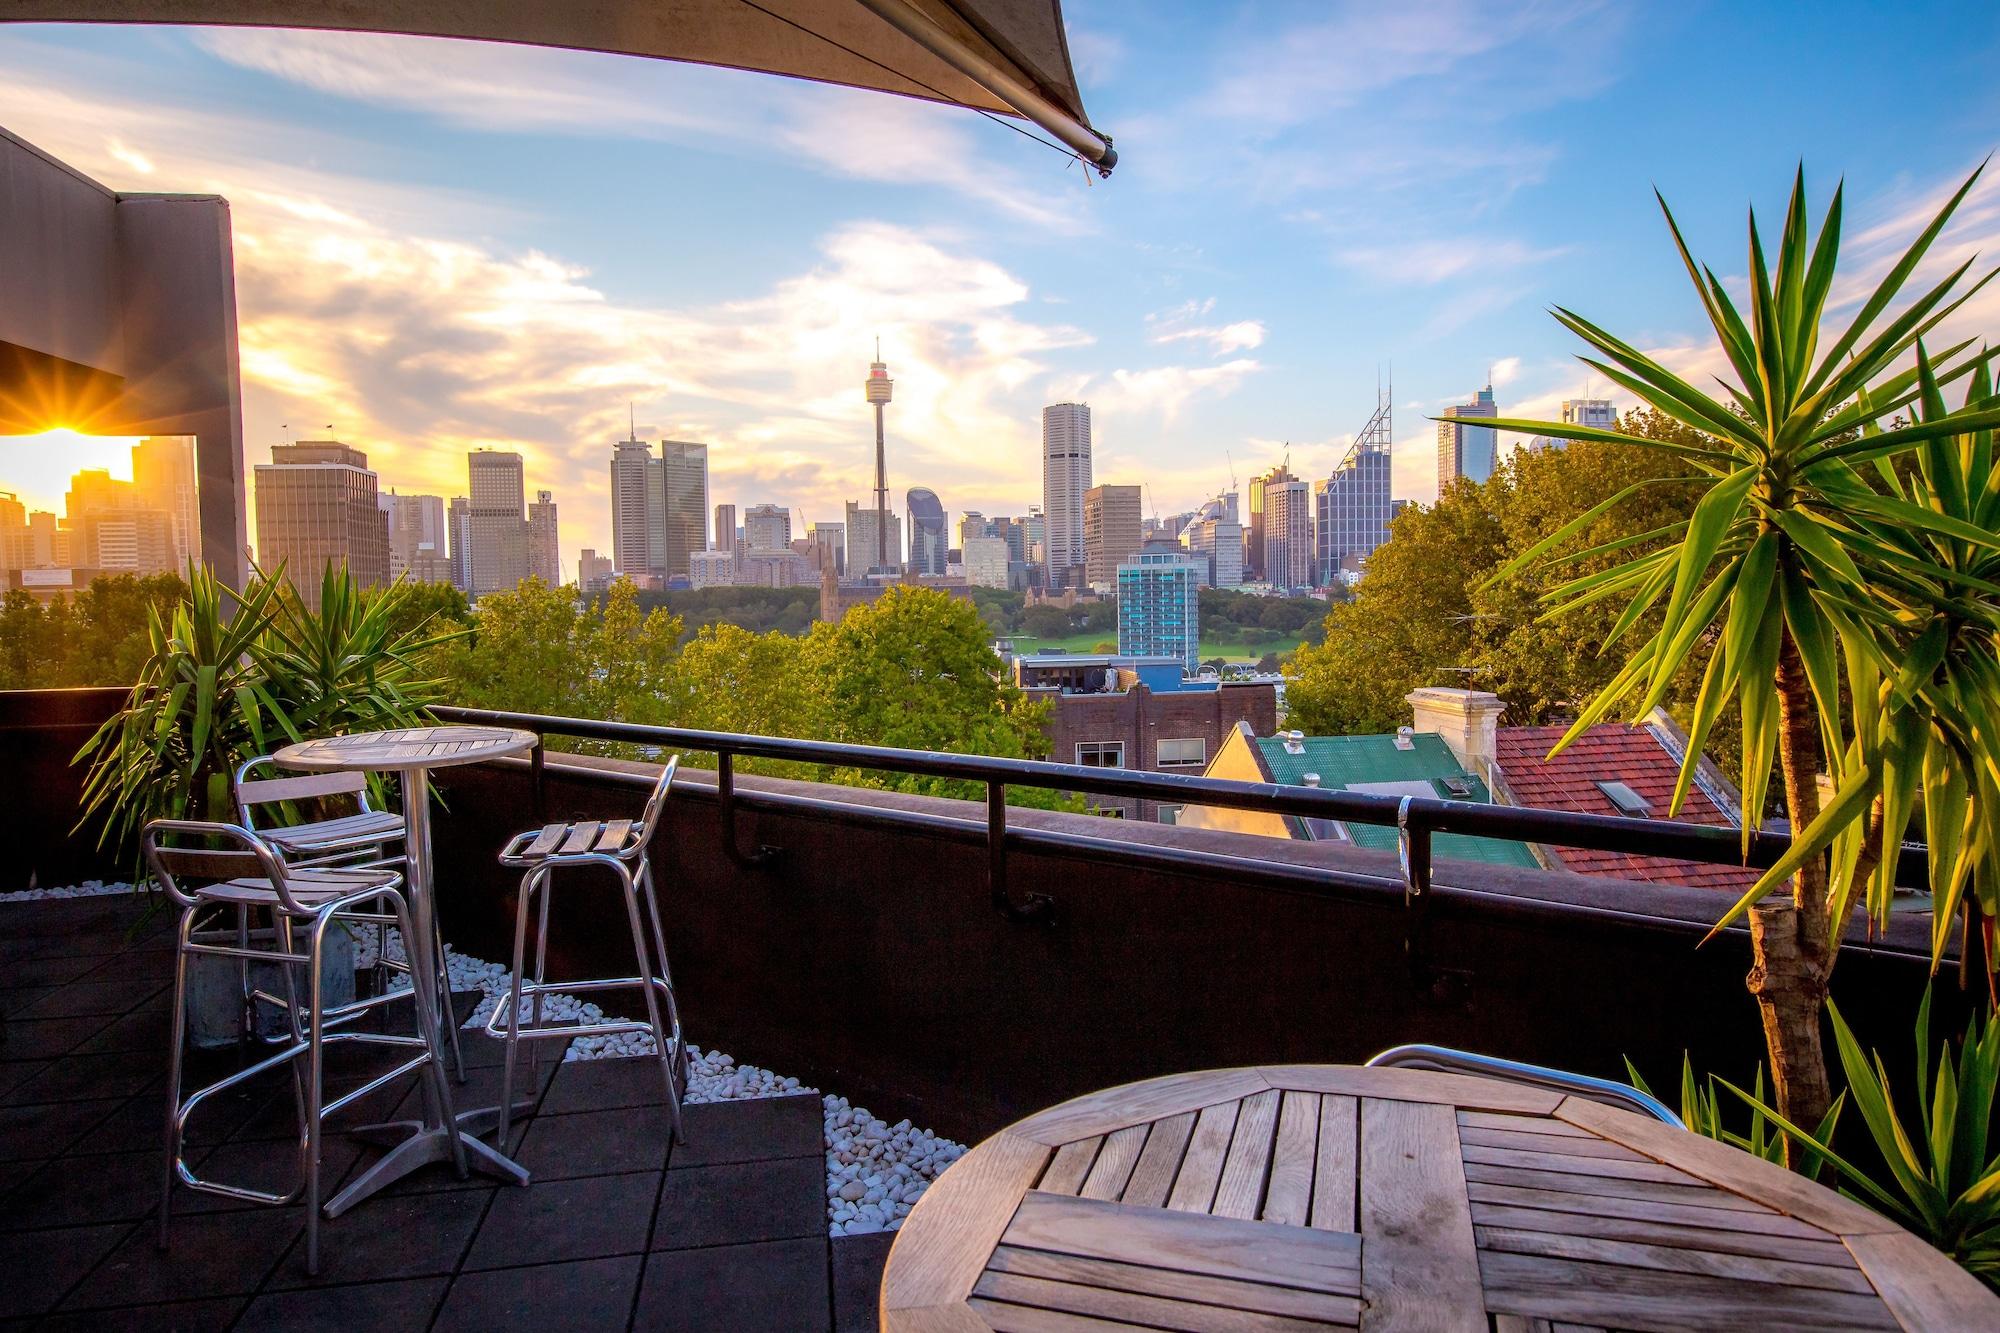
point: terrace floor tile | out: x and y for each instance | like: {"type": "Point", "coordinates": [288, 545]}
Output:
{"type": "Point", "coordinates": [592, 1218]}
{"type": "Point", "coordinates": [211, 1316]}
{"type": "Point", "coordinates": [406, 1304]}
{"type": "Point", "coordinates": [857, 1280]}
{"type": "Point", "coordinates": [742, 1202]}
{"type": "Point", "coordinates": [750, 1131]}
{"type": "Point", "coordinates": [776, 1284]}
{"type": "Point", "coordinates": [596, 1143]}
{"type": "Point", "coordinates": [40, 1131]}
{"type": "Point", "coordinates": [390, 1236]}
{"type": "Point", "coordinates": [41, 1266]}
{"type": "Point", "coordinates": [213, 1254]}
{"type": "Point", "coordinates": [584, 1296]}
{"type": "Point", "coordinates": [75, 1191]}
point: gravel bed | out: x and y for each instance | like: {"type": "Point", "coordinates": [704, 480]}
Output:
{"type": "Point", "coordinates": [90, 888]}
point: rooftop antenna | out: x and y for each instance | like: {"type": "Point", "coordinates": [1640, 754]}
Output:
{"type": "Point", "coordinates": [632, 418]}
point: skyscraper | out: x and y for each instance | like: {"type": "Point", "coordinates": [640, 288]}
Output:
{"type": "Point", "coordinates": [1065, 478]}
{"type": "Point", "coordinates": [1352, 508]}
{"type": "Point", "coordinates": [498, 525]}
{"type": "Point", "coordinates": [863, 542]}
{"type": "Point", "coordinates": [1288, 546]}
{"type": "Point", "coordinates": [1159, 606]}
{"type": "Point", "coordinates": [1253, 565]}
{"type": "Point", "coordinates": [927, 532]}
{"type": "Point", "coordinates": [593, 571]}
{"type": "Point", "coordinates": [1111, 532]}
{"type": "Point", "coordinates": [458, 523]}
{"type": "Point", "coordinates": [685, 466]}
{"type": "Point", "coordinates": [766, 528]}
{"type": "Point", "coordinates": [1217, 538]}
{"type": "Point", "coordinates": [1467, 451]}
{"type": "Point", "coordinates": [316, 506]}
{"type": "Point", "coordinates": [1596, 412]}
{"type": "Point", "coordinates": [985, 561]}
{"type": "Point", "coordinates": [638, 510]}
{"type": "Point", "coordinates": [827, 543]}
{"type": "Point", "coordinates": [725, 527]}
{"type": "Point", "coordinates": [417, 547]}
{"type": "Point", "coordinates": [879, 389]}
{"type": "Point", "coordinates": [544, 548]}
{"type": "Point", "coordinates": [112, 528]}
{"type": "Point", "coordinates": [163, 476]}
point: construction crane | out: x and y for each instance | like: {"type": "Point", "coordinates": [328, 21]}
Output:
{"type": "Point", "coordinates": [1154, 501]}
{"type": "Point", "coordinates": [1232, 468]}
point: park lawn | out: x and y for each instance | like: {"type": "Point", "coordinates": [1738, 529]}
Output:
{"type": "Point", "coordinates": [1227, 649]}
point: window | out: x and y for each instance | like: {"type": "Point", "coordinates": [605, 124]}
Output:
{"type": "Point", "coordinates": [1629, 802]}
{"type": "Point", "coordinates": [1183, 753]}
{"type": "Point", "coordinates": [1101, 754]}
{"type": "Point", "coordinates": [1169, 814]}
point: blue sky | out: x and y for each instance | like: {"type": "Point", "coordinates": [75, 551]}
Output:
{"type": "Point", "coordinates": [448, 244]}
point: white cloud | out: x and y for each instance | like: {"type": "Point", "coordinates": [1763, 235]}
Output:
{"type": "Point", "coordinates": [1158, 394]}
{"type": "Point", "coordinates": [1440, 260]}
{"type": "Point", "coordinates": [1181, 324]}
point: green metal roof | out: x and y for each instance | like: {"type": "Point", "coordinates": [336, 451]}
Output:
{"type": "Point", "coordinates": [1342, 761]}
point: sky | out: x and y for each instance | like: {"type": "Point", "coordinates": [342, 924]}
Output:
{"type": "Point", "coordinates": [446, 245]}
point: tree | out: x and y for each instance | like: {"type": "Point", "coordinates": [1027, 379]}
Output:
{"type": "Point", "coordinates": [96, 637]}
{"type": "Point", "coordinates": [1777, 567]}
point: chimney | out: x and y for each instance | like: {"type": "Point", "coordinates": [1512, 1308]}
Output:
{"type": "Point", "coordinates": [1467, 720]}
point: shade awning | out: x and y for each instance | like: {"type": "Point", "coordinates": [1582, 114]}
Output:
{"type": "Point", "coordinates": [1006, 56]}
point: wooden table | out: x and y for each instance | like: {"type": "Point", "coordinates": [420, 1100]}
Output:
{"type": "Point", "coordinates": [410, 753]}
{"type": "Point", "coordinates": [1308, 1196]}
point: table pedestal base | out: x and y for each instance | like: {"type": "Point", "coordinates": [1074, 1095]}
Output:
{"type": "Point", "coordinates": [417, 1145]}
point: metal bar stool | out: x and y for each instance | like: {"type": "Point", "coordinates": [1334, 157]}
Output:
{"type": "Point", "coordinates": [221, 870]}
{"type": "Point", "coordinates": [620, 846]}
{"type": "Point", "coordinates": [364, 838]}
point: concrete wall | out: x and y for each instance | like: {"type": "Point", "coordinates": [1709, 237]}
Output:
{"type": "Point", "coordinates": [118, 317]}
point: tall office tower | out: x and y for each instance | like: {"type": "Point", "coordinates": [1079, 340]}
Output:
{"type": "Point", "coordinates": [1065, 478]}
{"type": "Point", "coordinates": [972, 524]}
{"type": "Point", "coordinates": [417, 548]}
{"type": "Point", "coordinates": [1159, 606]}
{"type": "Point", "coordinates": [544, 547]}
{"type": "Point", "coordinates": [163, 474]}
{"type": "Point", "coordinates": [1467, 451]}
{"type": "Point", "coordinates": [1253, 569]}
{"type": "Point", "coordinates": [828, 543]}
{"type": "Point", "coordinates": [593, 571]}
{"type": "Point", "coordinates": [638, 510]}
{"type": "Point", "coordinates": [1111, 532]}
{"type": "Point", "coordinates": [1288, 545]}
{"type": "Point", "coordinates": [986, 562]}
{"type": "Point", "coordinates": [686, 476]}
{"type": "Point", "coordinates": [927, 532]}
{"type": "Point", "coordinates": [863, 541]}
{"type": "Point", "coordinates": [1218, 540]}
{"type": "Point", "coordinates": [499, 527]}
{"type": "Point", "coordinates": [1596, 412]}
{"type": "Point", "coordinates": [1352, 508]}
{"type": "Point", "coordinates": [13, 531]}
{"type": "Point", "coordinates": [458, 524]}
{"type": "Point", "coordinates": [879, 388]}
{"type": "Point", "coordinates": [725, 527]}
{"type": "Point", "coordinates": [112, 529]}
{"type": "Point", "coordinates": [766, 528]}
{"type": "Point", "coordinates": [316, 506]}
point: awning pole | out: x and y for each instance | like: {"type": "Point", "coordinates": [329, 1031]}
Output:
{"type": "Point", "coordinates": [1001, 82]}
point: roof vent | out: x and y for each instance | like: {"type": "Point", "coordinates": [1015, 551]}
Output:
{"type": "Point", "coordinates": [1406, 738]}
{"type": "Point", "coordinates": [1310, 779]}
{"type": "Point", "coordinates": [1459, 787]}
{"type": "Point", "coordinates": [1295, 741]}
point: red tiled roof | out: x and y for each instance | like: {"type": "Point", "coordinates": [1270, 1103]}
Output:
{"type": "Point", "coordinates": [1612, 753]}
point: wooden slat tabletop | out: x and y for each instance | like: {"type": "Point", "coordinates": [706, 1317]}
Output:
{"type": "Point", "coordinates": [1326, 1196]}
{"type": "Point", "coordinates": [405, 748]}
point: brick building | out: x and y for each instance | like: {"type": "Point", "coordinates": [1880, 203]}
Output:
{"type": "Point", "coordinates": [1139, 713]}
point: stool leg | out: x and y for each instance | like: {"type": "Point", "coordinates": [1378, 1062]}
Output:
{"type": "Point", "coordinates": [548, 887]}
{"type": "Point", "coordinates": [528, 883]}
{"type": "Point", "coordinates": [645, 974]}
{"type": "Point", "coordinates": [314, 1068]}
{"type": "Point", "coordinates": [173, 1133]}
{"type": "Point", "coordinates": [666, 973]}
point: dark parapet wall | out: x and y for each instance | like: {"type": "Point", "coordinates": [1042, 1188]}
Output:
{"type": "Point", "coordinates": [40, 732]}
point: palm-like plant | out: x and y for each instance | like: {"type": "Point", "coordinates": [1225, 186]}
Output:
{"type": "Point", "coordinates": [231, 676]}
{"type": "Point", "coordinates": [1765, 575]}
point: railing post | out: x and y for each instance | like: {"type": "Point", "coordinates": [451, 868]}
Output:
{"type": "Point", "coordinates": [1036, 906]}
{"type": "Point", "coordinates": [1413, 849]}
{"type": "Point", "coordinates": [537, 772]}
{"type": "Point", "coordinates": [725, 797]}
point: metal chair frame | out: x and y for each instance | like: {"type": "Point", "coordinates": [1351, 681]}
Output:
{"type": "Point", "coordinates": [370, 850]}
{"type": "Point", "coordinates": [1447, 1060]}
{"type": "Point", "coordinates": [252, 876]}
{"type": "Point", "coordinates": [631, 862]}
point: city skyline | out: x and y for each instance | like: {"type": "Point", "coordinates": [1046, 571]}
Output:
{"type": "Point", "coordinates": [381, 178]}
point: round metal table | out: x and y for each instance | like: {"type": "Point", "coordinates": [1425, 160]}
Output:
{"type": "Point", "coordinates": [410, 753]}
{"type": "Point", "coordinates": [1301, 1196]}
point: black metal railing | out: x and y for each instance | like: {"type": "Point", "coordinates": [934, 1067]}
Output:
{"type": "Point", "coordinates": [1417, 820]}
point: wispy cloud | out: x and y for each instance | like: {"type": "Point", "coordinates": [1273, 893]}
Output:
{"type": "Point", "coordinates": [1442, 260]}
{"type": "Point", "coordinates": [1184, 323]}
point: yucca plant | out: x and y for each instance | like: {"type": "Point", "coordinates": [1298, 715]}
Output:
{"type": "Point", "coordinates": [1943, 1183]}
{"type": "Point", "coordinates": [1763, 576]}
{"type": "Point", "coordinates": [231, 676]}
{"type": "Point", "coordinates": [1701, 1111]}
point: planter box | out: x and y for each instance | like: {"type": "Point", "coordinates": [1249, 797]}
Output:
{"type": "Point", "coordinates": [215, 987]}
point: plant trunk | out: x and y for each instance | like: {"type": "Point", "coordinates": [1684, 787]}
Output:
{"type": "Point", "coordinates": [1790, 940]}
